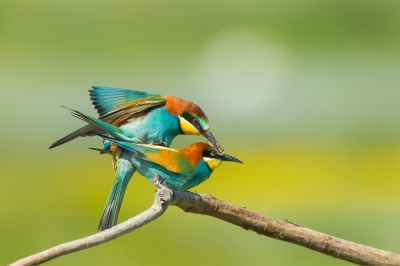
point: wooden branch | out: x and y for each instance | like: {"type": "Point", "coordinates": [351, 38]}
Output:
{"type": "Point", "coordinates": [161, 200]}
{"type": "Point", "coordinates": [249, 220]}
{"type": "Point", "coordinates": [285, 231]}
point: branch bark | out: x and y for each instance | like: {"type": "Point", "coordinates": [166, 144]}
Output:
{"type": "Point", "coordinates": [161, 201]}
{"type": "Point", "coordinates": [240, 216]}
{"type": "Point", "coordinates": [285, 231]}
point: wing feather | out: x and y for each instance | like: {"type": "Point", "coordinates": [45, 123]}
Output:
{"type": "Point", "coordinates": [168, 158]}
{"type": "Point", "coordinates": [106, 99]}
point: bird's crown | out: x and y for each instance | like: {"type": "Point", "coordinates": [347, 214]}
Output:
{"type": "Point", "coordinates": [192, 118]}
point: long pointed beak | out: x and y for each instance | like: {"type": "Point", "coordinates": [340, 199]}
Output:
{"type": "Point", "coordinates": [208, 135]}
{"type": "Point", "coordinates": [230, 158]}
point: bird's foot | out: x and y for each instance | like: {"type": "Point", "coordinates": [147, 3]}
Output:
{"type": "Point", "coordinates": [163, 184]}
{"type": "Point", "coordinates": [159, 182]}
{"type": "Point", "coordinates": [156, 179]}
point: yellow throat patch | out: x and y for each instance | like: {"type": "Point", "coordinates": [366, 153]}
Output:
{"type": "Point", "coordinates": [187, 128]}
{"type": "Point", "coordinates": [212, 163]}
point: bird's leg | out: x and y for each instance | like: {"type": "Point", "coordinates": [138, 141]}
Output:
{"type": "Point", "coordinates": [156, 180]}
{"type": "Point", "coordinates": [159, 182]}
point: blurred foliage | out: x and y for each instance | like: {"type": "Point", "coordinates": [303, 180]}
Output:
{"type": "Point", "coordinates": [305, 93]}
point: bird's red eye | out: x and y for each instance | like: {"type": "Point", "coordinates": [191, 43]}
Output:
{"type": "Point", "coordinates": [195, 121]}
{"type": "Point", "coordinates": [213, 153]}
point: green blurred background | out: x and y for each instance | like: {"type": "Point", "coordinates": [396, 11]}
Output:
{"type": "Point", "coordinates": [306, 93]}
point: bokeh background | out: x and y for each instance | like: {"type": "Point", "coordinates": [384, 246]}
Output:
{"type": "Point", "coordinates": [306, 93]}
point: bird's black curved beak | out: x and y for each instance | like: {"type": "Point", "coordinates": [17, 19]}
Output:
{"type": "Point", "coordinates": [226, 157]}
{"type": "Point", "coordinates": [210, 137]}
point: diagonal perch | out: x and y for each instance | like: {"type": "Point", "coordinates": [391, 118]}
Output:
{"type": "Point", "coordinates": [249, 220]}
{"type": "Point", "coordinates": [161, 202]}
{"type": "Point", "coordinates": [289, 232]}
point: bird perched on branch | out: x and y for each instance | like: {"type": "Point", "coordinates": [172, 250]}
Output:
{"type": "Point", "coordinates": [177, 169]}
{"type": "Point", "coordinates": [140, 117]}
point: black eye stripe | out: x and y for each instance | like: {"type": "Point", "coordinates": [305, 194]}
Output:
{"type": "Point", "coordinates": [188, 117]}
{"type": "Point", "coordinates": [209, 154]}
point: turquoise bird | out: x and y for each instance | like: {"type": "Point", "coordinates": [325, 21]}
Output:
{"type": "Point", "coordinates": [177, 169]}
{"type": "Point", "coordinates": [140, 117]}
{"type": "Point", "coordinates": [145, 117]}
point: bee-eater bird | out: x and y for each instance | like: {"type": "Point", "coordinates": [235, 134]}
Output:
{"type": "Point", "coordinates": [144, 118]}
{"type": "Point", "coordinates": [177, 169]}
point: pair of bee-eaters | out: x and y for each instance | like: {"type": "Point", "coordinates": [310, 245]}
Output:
{"type": "Point", "coordinates": [138, 128]}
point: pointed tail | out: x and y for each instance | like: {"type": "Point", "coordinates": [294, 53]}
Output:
{"type": "Point", "coordinates": [110, 213]}
{"type": "Point", "coordinates": [114, 131]}
{"type": "Point", "coordinates": [77, 133]}
{"type": "Point", "coordinates": [94, 126]}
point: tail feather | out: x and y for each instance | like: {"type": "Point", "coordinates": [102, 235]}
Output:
{"type": "Point", "coordinates": [109, 117]}
{"type": "Point", "coordinates": [102, 151]}
{"type": "Point", "coordinates": [114, 131]}
{"type": "Point", "coordinates": [87, 130]}
{"type": "Point", "coordinates": [131, 147]}
{"type": "Point", "coordinates": [110, 213]}
{"type": "Point", "coordinates": [77, 133]}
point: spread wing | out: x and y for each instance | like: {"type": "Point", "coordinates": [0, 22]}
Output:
{"type": "Point", "coordinates": [122, 113]}
{"type": "Point", "coordinates": [105, 98]}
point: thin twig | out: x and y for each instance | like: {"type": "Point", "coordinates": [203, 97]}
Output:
{"type": "Point", "coordinates": [161, 201]}
{"type": "Point", "coordinates": [249, 220]}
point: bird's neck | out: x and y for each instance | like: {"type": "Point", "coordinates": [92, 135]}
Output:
{"type": "Point", "coordinates": [165, 124]}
